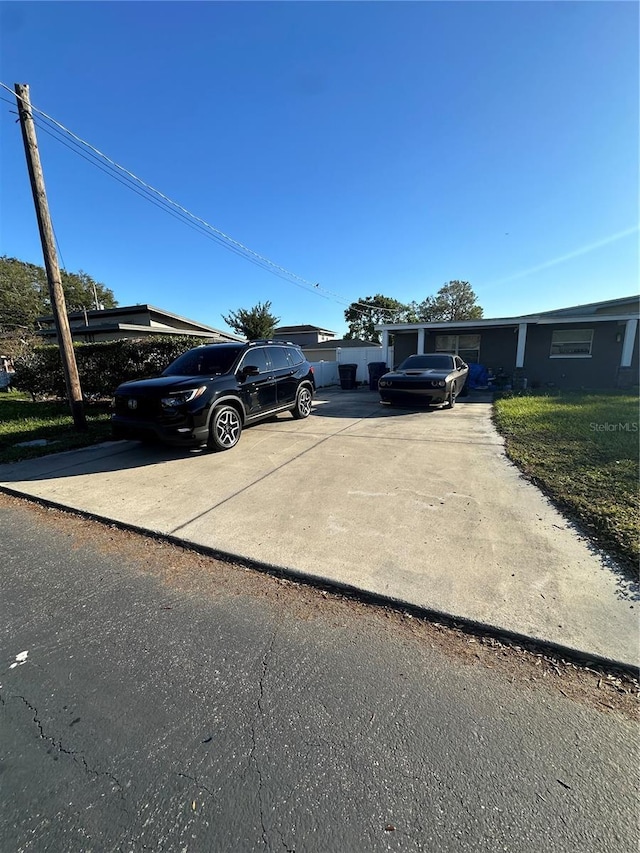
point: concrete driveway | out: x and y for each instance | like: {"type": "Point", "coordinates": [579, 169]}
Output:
{"type": "Point", "coordinates": [419, 506]}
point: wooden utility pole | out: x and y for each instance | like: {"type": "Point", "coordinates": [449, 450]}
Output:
{"type": "Point", "coordinates": [58, 305]}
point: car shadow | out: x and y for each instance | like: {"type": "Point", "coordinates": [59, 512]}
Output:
{"type": "Point", "coordinates": [112, 456]}
{"type": "Point", "coordinates": [100, 458]}
{"type": "Point", "coordinates": [365, 403]}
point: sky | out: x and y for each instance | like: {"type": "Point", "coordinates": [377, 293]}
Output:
{"type": "Point", "coordinates": [365, 147]}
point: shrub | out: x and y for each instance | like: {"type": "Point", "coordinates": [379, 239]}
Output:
{"type": "Point", "coordinates": [102, 366]}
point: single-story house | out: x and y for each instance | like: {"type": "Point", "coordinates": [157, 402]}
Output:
{"type": "Point", "coordinates": [303, 335]}
{"type": "Point", "coordinates": [131, 321]}
{"type": "Point", "coordinates": [583, 346]}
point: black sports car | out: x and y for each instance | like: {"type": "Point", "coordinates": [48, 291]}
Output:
{"type": "Point", "coordinates": [431, 378]}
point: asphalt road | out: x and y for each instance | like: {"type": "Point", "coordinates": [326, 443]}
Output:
{"type": "Point", "coordinates": [169, 702]}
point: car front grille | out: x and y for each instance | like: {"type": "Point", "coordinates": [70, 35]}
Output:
{"type": "Point", "coordinates": [413, 385]}
{"type": "Point", "coordinates": [141, 409]}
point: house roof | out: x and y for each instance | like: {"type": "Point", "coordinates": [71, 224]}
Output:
{"type": "Point", "coordinates": [608, 305]}
{"type": "Point", "coordinates": [627, 308]}
{"type": "Point", "coordinates": [289, 330]}
{"type": "Point", "coordinates": [110, 315]}
{"type": "Point", "coordinates": [341, 342]}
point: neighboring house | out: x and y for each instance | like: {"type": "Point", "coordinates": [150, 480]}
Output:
{"type": "Point", "coordinates": [584, 346]}
{"type": "Point", "coordinates": [132, 321]}
{"type": "Point", "coordinates": [303, 335]}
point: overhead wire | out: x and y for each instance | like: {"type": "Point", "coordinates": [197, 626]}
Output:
{"type": "Point", "coordinates": [155, 196]}
{"type": "Point", "coordinates": [195, 226]}
{"type": "Point", "coordinates": [145, 194]}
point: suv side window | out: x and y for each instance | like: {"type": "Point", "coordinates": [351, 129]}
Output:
{"type": "Point", "coordinates": [295, 356]}
{"type": "Point", "coordinates": [256, 356]}
{"type": "Point", "coordinates": [278, 358]}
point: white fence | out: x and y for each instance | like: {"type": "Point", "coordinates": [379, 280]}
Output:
{"type": "Point", "coordinates": [326, 372]}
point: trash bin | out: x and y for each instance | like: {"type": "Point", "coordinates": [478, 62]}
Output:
{"type": "Point", "coordinates": [347, 373]}
{"type": "Point", "coordinates": [376, 370]}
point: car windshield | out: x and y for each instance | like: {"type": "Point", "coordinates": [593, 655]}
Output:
{"type": "Point", "coordinates": [427, 362]}
{"type": "Point", "coordinates": [206, 361]}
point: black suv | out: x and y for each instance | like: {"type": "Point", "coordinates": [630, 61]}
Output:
{"type": "Point", "coordinates": [209, 393]}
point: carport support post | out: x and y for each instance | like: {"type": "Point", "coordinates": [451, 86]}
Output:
{"type": "Point", "coordinates": [522, 342]}
{"type": "Point", "coordinates": [385, 347]}
{"type": "Point", "coordinates": [56, 293]}
{"type": "Point", "coordinates": [629, 340]}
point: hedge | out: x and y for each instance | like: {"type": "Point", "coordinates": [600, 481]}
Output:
{"type": "Point", "coordinates": [102, 367]}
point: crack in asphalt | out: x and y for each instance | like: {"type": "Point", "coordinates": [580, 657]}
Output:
{"type": "Point", "coordinates": [252, 754]}
{"type": "Point", "coordinates": [75, 756]}
{"type": "Point", "coordinates": [197, 781]}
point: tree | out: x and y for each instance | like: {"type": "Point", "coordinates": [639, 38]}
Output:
{"type": "Point", "coordinates": [363, 315]}
{"type": "Point", "coordinates": [24, 294]}
{"type": "Point", "coordinates": [454, 301]}
{"type": "Point", "coordinates": [255, 323]}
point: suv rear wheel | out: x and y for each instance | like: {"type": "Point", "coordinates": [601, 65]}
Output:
{"type": "Point", "coordinates": [226, 428]}
{"type": "Point", "coordinates": [302, 408]}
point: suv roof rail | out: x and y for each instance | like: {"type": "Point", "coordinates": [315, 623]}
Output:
{"type": "Point", "coordinates": [271, 341]}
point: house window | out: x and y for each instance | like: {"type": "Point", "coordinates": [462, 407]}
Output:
{"type": "Point", "coordinates": [466, 346]}
{"type": "Point", "coordinates": [571, 343]}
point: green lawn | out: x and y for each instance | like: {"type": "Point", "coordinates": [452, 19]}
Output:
{"type": "Point", "coordinates": [582, 450]}
{"type": "Point", "coordinates": [21, 419]}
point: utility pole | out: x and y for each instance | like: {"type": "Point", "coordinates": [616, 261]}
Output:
{"type": "Point", "coordinates": [71, 377]}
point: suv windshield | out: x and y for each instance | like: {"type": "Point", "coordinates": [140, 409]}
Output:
{"type": "Point", "coordinates": [204, 361]}
{"type": "Point", "coordinates": [427, 362]}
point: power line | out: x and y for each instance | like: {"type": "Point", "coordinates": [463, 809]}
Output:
{"type": "Point", "coordinates": [170, 205]}
{"type": "Point", "coordinates": [138, 191]}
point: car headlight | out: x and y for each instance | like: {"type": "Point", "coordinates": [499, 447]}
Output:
{"type": "Point", "coordinates": [182, 397]}
{"type": "Point", "coordinates": [441, 383]}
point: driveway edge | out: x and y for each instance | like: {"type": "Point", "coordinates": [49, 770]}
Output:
{"type": "Point", "coordinates": [470, 626]}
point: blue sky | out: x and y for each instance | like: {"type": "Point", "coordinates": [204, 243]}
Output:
{"type": "Point", "coordinates": [371, 147]}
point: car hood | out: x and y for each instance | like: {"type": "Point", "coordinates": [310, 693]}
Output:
{"type": "Point", "coordinates": [424, 373]}
{"type": "Point", "coordinates": [149, 387]}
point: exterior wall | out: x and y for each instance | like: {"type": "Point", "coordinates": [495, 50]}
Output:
{"type": "Point", "coordinates": [600, 370]}
{"type": "Point", "coordinates": [133, 318]}
{"type": "Point", "coordinates": [628, 376]}
{"type": "Point", "coordinates": [497, 345]}
{"type": "Point", "coordinates": [303, 338]}
{"type": "Point", "coordinates": [140, 317]}
{"type": "Point", "coordinates": [323, 354]}
{"type": "Point", "coordinates": [404, 345]}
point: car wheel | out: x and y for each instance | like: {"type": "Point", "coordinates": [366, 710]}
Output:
{"type": "Point", "coordinates": [226, 428]}
{"type": "Point", "coordinates": [302, 408]}
{"type": "Point", "coordinates": [451, 398]}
